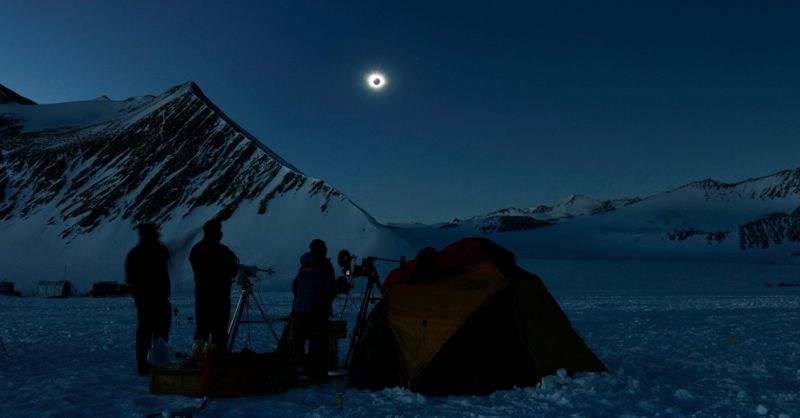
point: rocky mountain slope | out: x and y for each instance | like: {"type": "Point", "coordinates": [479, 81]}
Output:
{"type": "Point", "coordinates": [9, 96]}
{"type": "Point", "coordinates": [75, 178]}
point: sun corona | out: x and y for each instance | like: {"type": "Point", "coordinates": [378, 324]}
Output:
{"type": "Point", "coordinates": [376, 81]}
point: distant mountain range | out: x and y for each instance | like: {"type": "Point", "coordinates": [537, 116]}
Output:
{"type": "Point", "coordinates": [755, 220]}
{"type": "Point", "coordinates": [75, 178]}
{"type": "Point", "coordinates": [516, 219]}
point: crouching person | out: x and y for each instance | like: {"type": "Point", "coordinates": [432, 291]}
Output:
{"type": "Point", "coordinates": [314, 291]}
{"type": "Point", "coordinates": [147, 274]}
{"type": "Point", "coordinates": [214, 266]}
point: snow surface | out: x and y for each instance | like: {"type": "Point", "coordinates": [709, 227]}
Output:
{"type": "Point", "coordinates": [72, 115]}
{"type": "Point", "coordinates": [275, 241]}
{"type": "Point", "coordinates": [680, 339]}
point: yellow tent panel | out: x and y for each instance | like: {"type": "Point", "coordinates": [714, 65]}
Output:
{"type": "Point", "coordinates": [425, 315]}
{"type": "Point", "coordinates": [466, 321]}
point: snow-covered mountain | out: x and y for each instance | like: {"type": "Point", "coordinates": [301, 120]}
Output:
{"type": "Point", "coordinates": [516, 219]}
{"type": "Point", "coordinates": [756, 220]}
{"type": "Point", "coordinates": [9, 96]}
{"type": "Point", "coordinates": [75, 178]}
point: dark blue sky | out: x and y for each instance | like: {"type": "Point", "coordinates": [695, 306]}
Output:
{"type": "Point", "coordinates": [488, 106]}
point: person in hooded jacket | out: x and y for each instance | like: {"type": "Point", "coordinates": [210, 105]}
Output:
{"type": "Point", "coordinates": [147, 275]}
{"type": "Point", "coordinates": [214, 266]}
{"type": "Point", "coordinates": [314, 292]}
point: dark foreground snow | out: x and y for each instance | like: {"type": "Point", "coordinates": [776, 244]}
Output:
{"type": "Point", "coordinates": [721, 344]}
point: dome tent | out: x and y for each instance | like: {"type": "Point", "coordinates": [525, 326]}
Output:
{"type": "Point", "coordinates": [466, 320]}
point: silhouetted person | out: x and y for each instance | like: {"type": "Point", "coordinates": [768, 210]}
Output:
{"type": "Point", "coordinates": [314, 291]}
{"type": "Point", "coordinates": [146, 274]}
{"type": "Point", "coordinates": [214, 266]}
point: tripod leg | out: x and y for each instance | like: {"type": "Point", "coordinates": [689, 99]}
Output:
{"type": "Point", "coordinates": [233, 328]}
{"type": "Point", "coordinates": [359, 325]}
{"type": "Point", "coordinates": [265, 317]}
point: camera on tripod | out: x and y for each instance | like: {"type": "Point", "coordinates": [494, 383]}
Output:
{"type": "Point", "coordinates": [366, 269]}
{"type": "Point", "coordinates": [344, 284]}
{"type": "Point", "coordinates": [248, 296]}
{"type": "Point", "coordinates": [247, 272]}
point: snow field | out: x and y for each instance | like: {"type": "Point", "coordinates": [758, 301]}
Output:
{"type": "Point", "coordinates": [731, 352]}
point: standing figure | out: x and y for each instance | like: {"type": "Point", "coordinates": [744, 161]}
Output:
{"type": "Point", "coordinates": [147, 275]}
{"type": "Point", "coordinates": [214, 266]}
{"type": "Point", "coordinates": [314, 291]}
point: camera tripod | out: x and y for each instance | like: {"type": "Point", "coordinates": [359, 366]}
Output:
{"type": "Point", "coordinates": [361, 319]}
{"type": "Point", "coordinates": [246, 299]}
{"type": "Point", "coordinates": [366, 269]}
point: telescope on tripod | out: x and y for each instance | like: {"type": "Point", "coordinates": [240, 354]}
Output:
{"type": "Point", "coordinates": [251, 301]}
{"type": "Point", "coordinates": [345, 283]}
{"type": "Point", "coordinates": [246, 300]}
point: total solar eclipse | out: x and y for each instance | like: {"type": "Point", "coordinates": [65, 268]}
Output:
{"type": "Point", "coordinates": [376, 81]}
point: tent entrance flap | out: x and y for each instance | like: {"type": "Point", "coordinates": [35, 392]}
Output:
{"type": "Point", "coordinates": [466, 321]}
{"type": "Point", "coordinates": [424, 316]}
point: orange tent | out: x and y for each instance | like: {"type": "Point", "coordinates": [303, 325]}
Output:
{"type": "Point", "coordinates": [466, 320]}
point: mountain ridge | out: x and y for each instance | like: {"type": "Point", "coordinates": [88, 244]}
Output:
{"type": "Point", "coordinates": [789, 184]}
{"type": "Point", "coordinates": [9, 96]}
{"type": "Point", "coordinates": [81, 175]}
{"type": "Point", "coordinates": [755, 220]}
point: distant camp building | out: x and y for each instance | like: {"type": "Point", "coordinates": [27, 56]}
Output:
{"type": "Point", "coordinates": [110, 289]}
{"type": "Point", "coordinates": [7, 289]}
{"type": "Point", "coordinates": [55, 289]}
